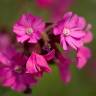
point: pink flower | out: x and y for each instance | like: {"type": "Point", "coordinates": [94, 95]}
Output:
{"type": "Point", "coordinates": [37, 64]}
{"type": "Point", "coordinates": [71, 31]}
{"type": "Point", "coordinates": [63, 64]}
{"type": "Point", "coordinates": [12, 73]}
{"type": "Point", "coordinates": [83, 55]}
{"type": "Point", "coordinates": [28, 27]}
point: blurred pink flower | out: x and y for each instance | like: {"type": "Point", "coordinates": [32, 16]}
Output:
{"type": "Point", "coordinates": [83, 55]}
{"type": "Point", "coordinates": [28, 27]}
{"type": "Point", "coordinates": [63, 64]}
{"type": "Point", "coordinates": [59, 7]}
{"type": "Point", "coordinates": [37, 64]}
{"type": "Point", "coordinates": [12, 72]}
{"type": "Point", "coordinates": [71, 30]}
{"type": "Point", "coordinates": [56, 7]}
{"type": "Point", "coordinates": [5, 41]}
{"type": "Point", "coordinates": [45, 3]}
{"type": "Point", "coordinates": [7, 55]}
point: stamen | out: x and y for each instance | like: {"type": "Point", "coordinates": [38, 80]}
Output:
{"type": "Point", "coordinates": [17, 69]}
{"type": "Point", "coordinates": [66, 31]}
{"type": "Point", "coordinates": [29, 31]}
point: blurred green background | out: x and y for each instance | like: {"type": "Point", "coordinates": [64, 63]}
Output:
{"type": "Point", "coordinates": [83, 81]}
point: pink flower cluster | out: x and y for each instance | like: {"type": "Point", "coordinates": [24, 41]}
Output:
{"type": "Point", "coordinates": [41, 43]}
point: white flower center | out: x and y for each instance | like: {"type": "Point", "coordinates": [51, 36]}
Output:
{"type": "Point", "coordinates": [29, 31]}
{"type": "Point", "coordinates": [18, 69]}
{"type": "Point", "coordinates": [66, 32]}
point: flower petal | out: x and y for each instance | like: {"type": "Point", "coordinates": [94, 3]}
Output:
{"type": "Point", "coordinates": [32, 39]}
{"type": "Point", "coordinates": [22, 38]}
{"type": "Point", "coordinates": [26, 19]}
{"type": "Point", "coordinates": [88, 37]}
{"type": "Point", "coordinates": [69, 41]}
{"type": "Point", "coordinates": [81, 23]}
{"type": "Point", "coordinates": [81, 62]}
{"type": "Point", "coordinates": [50, 55]}
{"type": "Point", "coordinates": [42, 63]}
{"type": "Point", "coordinates": [77, 34]}
{"type": "Point", "coordinates": [18, 87]}
{"type": "Point", "coordinates": [56, 31]}
{"type": "Point", "coordinates": [63, 43]}
{"type": "Point", "coordinates": [77, 43]}
{"type": "Point", "coordinates": [64, 68]}
{"type": "Point", "coordinates": [72, 21]}
{"type": "Point", "coordinates": [19, 30]}
{"type": "Point", "coordinates": [31, 65]}
{"type": "Point", "coordinates": [38, 24]}
{"type": "Point", "coordinates": [9, 81]}
{"type": "Point", "coordinates": [4, 59]}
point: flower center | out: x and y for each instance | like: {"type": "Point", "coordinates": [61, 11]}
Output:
{"type": "Point", "coordinates": [18, 69]}
{"type": "Point", "coordinates": [66, 32]}
{"type": "Point", "coordinates": [29, 31]}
